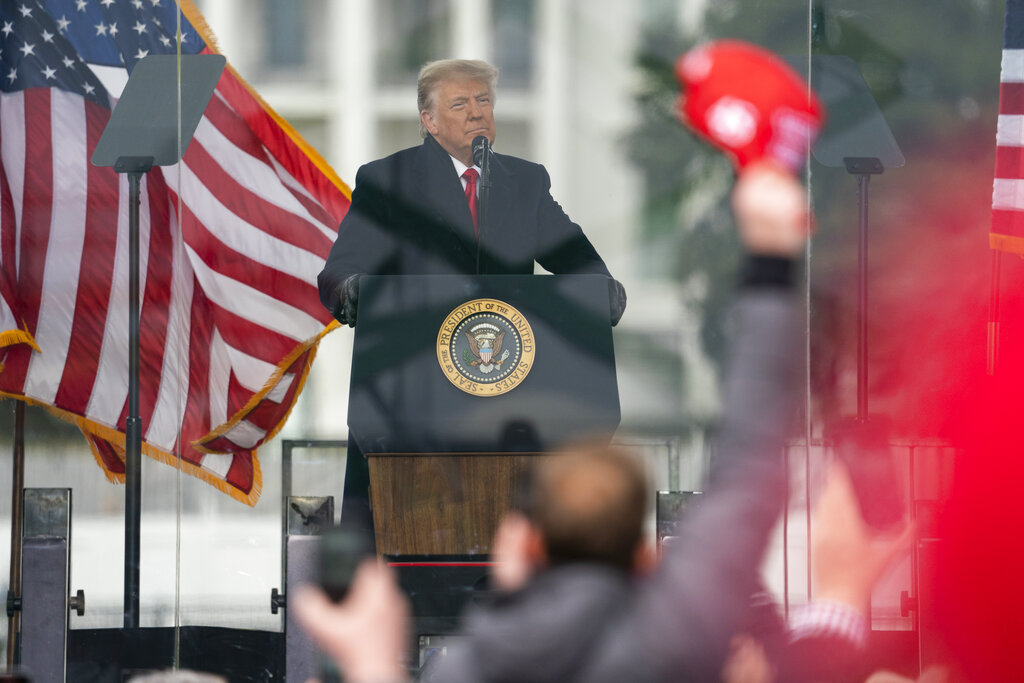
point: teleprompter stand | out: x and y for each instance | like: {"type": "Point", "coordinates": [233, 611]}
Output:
{"type": "Point", "coordinates": [858, 139]}
{"type": "Point", "coordinates": [151, 125]}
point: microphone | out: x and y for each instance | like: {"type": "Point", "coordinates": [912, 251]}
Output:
{"type": "Point", "coordinates": [482, 158]}
{"type": "Point", "coordinates": [481, 148]}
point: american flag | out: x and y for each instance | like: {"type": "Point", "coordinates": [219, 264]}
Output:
{"type": "Point", "coordinates": [1007, 232]}
{"type": "Point", "coordinates": [230, 317]}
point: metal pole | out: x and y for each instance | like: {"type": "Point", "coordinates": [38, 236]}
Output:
{"type": "Point", "coordinates": [133, 424]}
{"type": "Point", "coordinates": [862, 298]}
{"type": "Point", "coordinates": [484, 201]}
{"type": "Point", "coordinates": [17, 484]}
{"type": "Point", "coordinates": [992, 355]}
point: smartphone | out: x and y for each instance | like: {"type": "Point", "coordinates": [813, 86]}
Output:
{"type": "Point", "coordinates": [342, 549]}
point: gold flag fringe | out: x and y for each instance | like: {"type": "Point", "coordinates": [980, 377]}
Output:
{"type": "Point", "coordinates": [282, 366]}
{"type": "Point", "coordinates": [12, 337]}
{"type": "Point", "coordinates": [1008, 243]}
{"type": "Point", "coordinates": [117, 439]}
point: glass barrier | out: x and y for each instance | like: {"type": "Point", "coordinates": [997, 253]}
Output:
{"type": "Point", "coordinates": [237, 417]}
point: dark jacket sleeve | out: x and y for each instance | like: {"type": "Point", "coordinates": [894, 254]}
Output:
{"type": "Point", "coordinates": [689, 610]}
{"type": "Point", "coordinates": [364, 243]}
{"type": "Point", "coordinates": [562, 247]}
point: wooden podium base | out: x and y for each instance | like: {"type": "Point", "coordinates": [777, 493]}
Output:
{"type": "Point", "coordinates": [441, 503]}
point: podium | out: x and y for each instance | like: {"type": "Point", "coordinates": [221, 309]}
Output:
{"type": "Point", "coordinates": [458, 381]}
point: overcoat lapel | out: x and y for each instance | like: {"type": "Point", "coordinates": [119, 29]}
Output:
{"type": "Point", "coordinates": [442, 192]}
{"type": "Point", "coordinates": [499, 229]}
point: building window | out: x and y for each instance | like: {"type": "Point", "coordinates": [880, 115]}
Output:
{"type": "Point", "coordinates": [514, 31]}
{"type": "Point", "coordinates": [409, 33]}
{"type": "Point", "coordinates": [287, 28]}
{"type": "Point", "coordinates": [294, 37]}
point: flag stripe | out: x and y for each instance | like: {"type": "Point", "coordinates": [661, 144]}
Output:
{"type": "Point", "coordinates": [174, 373]}
{"type": "Point", "coordinates": [238, 395]}
{"type": "Point", "coordinates": [1012, 66]}
{"type": "Point", "coordinates": [96, 275]}
{"type": "Point", "coordinates": [36, 213]}
{"type": "Point", "coordinates": [219, 463]}
{"type": "Point", "coordinates": [196, 419]}
{"type": "Point", "coordinates": [110, 390]}
{"type": "Point", "coordinates": [62, 273]}
{"type": "Point", "coordinates": [8, 237]}
{"type": "Point", "coordinates": [110, 459]}
{"type": "Point", "coordinates": [242, 299]}
{"type": "Point", "coordinates": [1010, 163]}
{"type": "Point", "coordinates": [245, 434]}
{"type": "Point", "coordinates": [225, 131]}
{"type": "Point", "coordinates": [12, 151]}
{"type": "Point", "coordinates": [1011, 98]}
{"type": "Point", "coordinates": [253, 373]}
{"type": "Point", "coordinates": [219, 380]}
{"type": "Point", "coordinates": [255, 195]}
{"type": "Point", "coordinates": [268, 413]}
{"type": "Point", "coordinates": [1009, 223]}
{"type": "Point", "coordinates": [231, 126]}
{"type": "Point", "coordinates": [250, 269]}
{"type": "Point", "coordinates": [241, 473]}
{"type": "Point", "coordinates": [237, 333]}
{"type": "Point", "coordinates": [1008, 193]}
{"type": "Point", "coordinates": [155, 295]}
{"type": "Point", "coordinates": [1010, 130]}
{"type": "Point", "coordinates": [249, 240]}
{"type": "Point", "coordinates": [333, 198]}
{"type": "Point", "coordinates": [328, 226]}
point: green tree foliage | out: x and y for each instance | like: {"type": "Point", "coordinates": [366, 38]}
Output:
{"type": "Point", "coordinates": [932, 67]}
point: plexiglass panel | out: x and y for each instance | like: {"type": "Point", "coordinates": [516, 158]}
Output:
{"type": "Point", "coordinates": [899, 281]}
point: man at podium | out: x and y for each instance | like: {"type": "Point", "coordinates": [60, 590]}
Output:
{"type": "Point", "coordinates": [421, 211]}
{"type": "Point", "coordinates": [416, 212]}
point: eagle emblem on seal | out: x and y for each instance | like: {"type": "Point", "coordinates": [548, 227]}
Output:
{"type": "Point", "coordinates": [485, 347]}
{"type": "Point", "coordinates": [485, 342]}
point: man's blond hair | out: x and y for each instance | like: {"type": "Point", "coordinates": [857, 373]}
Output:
{"type": "Point", "coordinates": [432, 74]}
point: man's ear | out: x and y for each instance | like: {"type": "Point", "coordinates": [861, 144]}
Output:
{"type": "Point", "coordinates": [428, 122]}
{"type": "Point", "coordinates": [518, 550]}
{"type": "Point", "coordinates": [536, 548]}
{"type": "Point", "coordinates": [645, 557]}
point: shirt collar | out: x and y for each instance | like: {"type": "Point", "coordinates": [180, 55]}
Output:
{"type": "Point", "coordinates": [460, 167]}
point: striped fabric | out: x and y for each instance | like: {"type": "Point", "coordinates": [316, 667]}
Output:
{"type": "Point", "coordinates": [230, 316]}
{"type": "Point", "coordinates": [829, 619]}
{"type": "Point", "coordinates": [1007, 232]}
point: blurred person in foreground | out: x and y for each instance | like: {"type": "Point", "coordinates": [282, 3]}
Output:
{"type": "Point", "coordinates": [573, 618]}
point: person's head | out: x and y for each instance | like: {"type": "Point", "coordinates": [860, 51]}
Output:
{"type": "Point", "coordinates": [588, 504]}
{"type": "Point", "coordinates": [456, 103]}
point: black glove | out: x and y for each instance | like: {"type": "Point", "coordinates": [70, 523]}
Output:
{"type": "Point", "coordinates": [348, 300]}
{"type": "Point", "coordinates": [616, 299]}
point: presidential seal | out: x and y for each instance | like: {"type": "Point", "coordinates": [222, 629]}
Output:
{"type": "Point", "coordinates": [485, 347]}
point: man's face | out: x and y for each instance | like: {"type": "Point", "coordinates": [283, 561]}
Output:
{"type": "Point", "coordinates": [462, 110]}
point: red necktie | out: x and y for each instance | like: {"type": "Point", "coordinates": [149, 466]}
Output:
{"type": "Point", "coordinates": [471, 175]}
